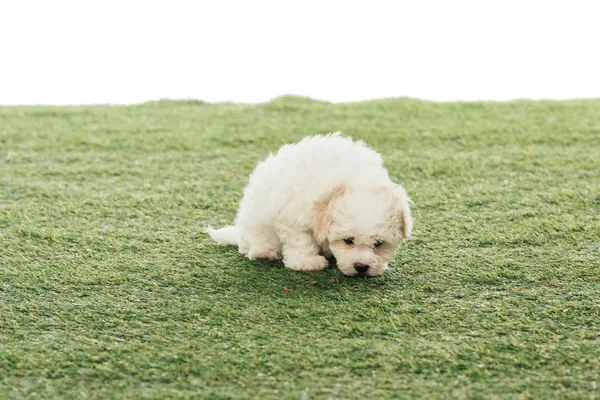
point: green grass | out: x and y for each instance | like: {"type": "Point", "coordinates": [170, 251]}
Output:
{"type": "Point", "coordinates": [109, 288]}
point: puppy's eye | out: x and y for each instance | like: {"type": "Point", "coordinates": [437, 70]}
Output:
{"type": "Point", "coordinates": [349, 241]}
{"type": "Point", "coordinates": [378, 244]}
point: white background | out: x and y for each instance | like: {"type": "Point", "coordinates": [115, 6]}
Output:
{"type": "Point", "coordinates": [73, 52]}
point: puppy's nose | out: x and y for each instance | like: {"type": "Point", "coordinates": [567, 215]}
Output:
{"type": "Point", "coordinates": [361, 268]}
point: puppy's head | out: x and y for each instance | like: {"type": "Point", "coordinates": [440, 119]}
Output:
{"type": "Point", "coordinates": [363, 226]}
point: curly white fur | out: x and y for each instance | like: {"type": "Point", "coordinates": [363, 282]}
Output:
{"type": "Point", "coordinates": [324, 196]}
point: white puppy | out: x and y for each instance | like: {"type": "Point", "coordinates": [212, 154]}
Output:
{"type": "Point", "coordinates": [324, 196]}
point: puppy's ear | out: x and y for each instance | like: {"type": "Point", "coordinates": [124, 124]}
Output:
{"type": "Point", "coordinates": [322, 217]}
{"type": "Point", "coordinates": [405, 221]}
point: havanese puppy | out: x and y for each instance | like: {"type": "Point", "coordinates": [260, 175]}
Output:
{"type": "Point", "coordinates": [326, 196]}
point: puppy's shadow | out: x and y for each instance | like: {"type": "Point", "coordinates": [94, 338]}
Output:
{"type": "Point", "coordinates": [227, 271]}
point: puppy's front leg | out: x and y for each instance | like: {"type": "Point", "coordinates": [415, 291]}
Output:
{"type": "Point", "coordinates": [301, 252]}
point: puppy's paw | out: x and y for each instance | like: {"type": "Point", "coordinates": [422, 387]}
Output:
{"type": "Point", "coordinates": [307, 263]}
{"type": "Point", "coordinates": [256, 253]}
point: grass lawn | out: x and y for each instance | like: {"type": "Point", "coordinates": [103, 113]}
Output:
{"type": "Point", "coordinates": [110, 289]}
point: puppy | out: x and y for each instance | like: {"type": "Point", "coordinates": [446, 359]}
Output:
{"type": "Point", "coordinates": [326, 196]}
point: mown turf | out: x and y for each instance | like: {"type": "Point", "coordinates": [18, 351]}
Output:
{"type": "Point", "coordinates": [109, 288]}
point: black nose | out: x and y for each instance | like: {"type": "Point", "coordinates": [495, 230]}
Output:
{"type": "Point", "coordinates": [361, 268]}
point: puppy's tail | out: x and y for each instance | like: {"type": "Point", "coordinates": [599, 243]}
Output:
{"type": "Point", "coordinates": [226, 235]}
